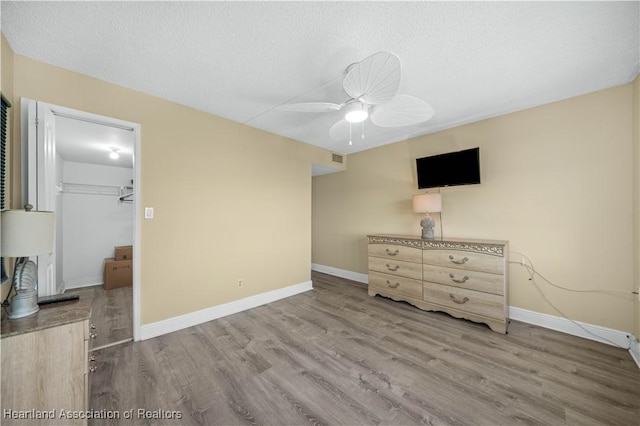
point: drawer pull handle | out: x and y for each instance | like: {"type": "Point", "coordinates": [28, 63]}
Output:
{"type": "Point", "coordinates": [389, 267]}
{"type": "Point", "coordinates": [392, 253]}
{"type": "Point", "coordinates": [459, 302]}
{"type": "Point", "coordinates": [459, 262]}
{"type": "Point", "coordinates": [92, 358]}
{"type": "Point", "coordinates": [397, 284]}
{"type": "Point", "coordinates": [92, 326]}
{"type": "Point", "coordinates": [455, 280]}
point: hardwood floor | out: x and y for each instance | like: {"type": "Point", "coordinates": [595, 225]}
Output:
{"type": "Point", "coordinates": [337, 356]}
{"type": "Point", "coordinates": [112, 313]}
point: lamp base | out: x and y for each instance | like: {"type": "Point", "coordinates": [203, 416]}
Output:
{"type": "Point", "coordinates": [428, 234]}
{"type": "Point", "coordinates": [23, 304]}
{"type": "Point", "coordinates": [427, 224]}
{"type": "Point", "coordinates": [25, 278]}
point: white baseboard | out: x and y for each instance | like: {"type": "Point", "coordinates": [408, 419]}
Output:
{"type": "Point", "coordinates": [601, 334]}
{"type": "Point", "coordinates": [353, 276]}
{"type": "Point", "coordinates": [148, 331]}
{"type": "Point", "coordinates": [634, 350]}
{"type": "Point", "coordinates": [83, 282]}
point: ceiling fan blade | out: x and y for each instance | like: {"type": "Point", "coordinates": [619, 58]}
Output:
{"type": "Point", "coordinates": [339, 131]}
{"type": "Point", "coordinates": [402, 110]}
{"type": "Point", "coordinates": [310, 107]}
{"type": "Point", "coordinates": [374, 80]}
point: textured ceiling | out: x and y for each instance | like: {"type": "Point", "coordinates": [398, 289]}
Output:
{"type": "Point", "coordinates": [239, 60]}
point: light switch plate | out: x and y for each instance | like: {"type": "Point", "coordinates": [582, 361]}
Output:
{"type": "Point", "coordinates": [148, 212]}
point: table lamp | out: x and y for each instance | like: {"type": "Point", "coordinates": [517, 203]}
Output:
{"type": "Point", "coordinates": [25, 233]}
{"type": "Point", "coordinates": [427, 203]}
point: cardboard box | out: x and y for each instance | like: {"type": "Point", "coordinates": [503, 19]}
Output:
{"type": "Point", "coordinates": [124, 253]}
{"type": "Point", "coordinates": [117, 273]}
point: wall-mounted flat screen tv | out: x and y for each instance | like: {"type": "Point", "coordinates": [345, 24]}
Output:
{"type": "Point", "coordinates": [450, 169]}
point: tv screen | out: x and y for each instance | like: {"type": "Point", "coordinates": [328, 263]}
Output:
{"type": "Point", "coordinates": [450, 169]}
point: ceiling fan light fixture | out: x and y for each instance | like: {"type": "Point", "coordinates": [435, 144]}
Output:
{"type": "Point", "coordinates": [356, 113]}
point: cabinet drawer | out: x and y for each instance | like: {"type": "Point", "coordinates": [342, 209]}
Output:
{"type": "Point", "coordinates": [465, 260]}
{"type": "Point", "coordinates": [488, 305]}
{"type": "Point", "coordinates": [396, 267]}
{"type": "Point", "coordinates": [473, 280]}
{"type": "Point", "coordinates": [392, 283]}
{"type": "Point", "coordinates": [390, 251]}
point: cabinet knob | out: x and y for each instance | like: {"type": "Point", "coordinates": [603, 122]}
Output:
{"type": "Point", "coordinates": [458, 262]}
{"type": "Point", "coordinates": [396, 285]}
{"type": "Point", "coordinates": [92, 326]}
{"type": "Point", "coordinates": [93, 335]}
{"type": "Point", "coordinates": [458, 301]}
{"type": "Point", "coordinates": [93, 368]}
{"type": "Point", "coordinates": [456, 280]}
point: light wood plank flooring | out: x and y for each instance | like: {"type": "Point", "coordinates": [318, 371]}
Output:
{"type": "Point", "coordinates": [112, 313]}
{"type": "Point", "coordinates": [337, 356]}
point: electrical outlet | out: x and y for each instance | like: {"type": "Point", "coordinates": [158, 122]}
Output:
{"type": "Point", "coordinates": [239, 282]}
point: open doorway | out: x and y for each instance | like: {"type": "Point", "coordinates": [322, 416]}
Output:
{"type": "Point", "coordinates": [94, 193]}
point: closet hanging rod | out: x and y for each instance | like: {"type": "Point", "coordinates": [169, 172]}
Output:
{"type": "Point", "coordinates": [83, 188]}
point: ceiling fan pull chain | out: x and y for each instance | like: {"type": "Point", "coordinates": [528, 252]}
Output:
{"type": "Point", "coordinates": [362, 130]}
{"type": "Point", "coordinates": [350, 143]}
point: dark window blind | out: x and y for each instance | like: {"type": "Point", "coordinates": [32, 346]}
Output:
{"type": "Point", "coordinates": [3, 167]}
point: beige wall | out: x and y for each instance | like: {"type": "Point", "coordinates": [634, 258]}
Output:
{"type": "Point", "coordinates": [231, 202]}
{"type": "Point", "coordinates": [6, 68]}
{"type": "Point", "coordinates": [556, 183]}
{"type": "Point", "coordinates": [636, 200]}
{"type": "Point", "coordinates": [6, 86]}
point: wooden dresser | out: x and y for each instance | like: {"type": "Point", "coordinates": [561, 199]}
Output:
{"type": "Point", "coordinates": [465, 278]}
{"type": "Point", "coordinates": [46, 364]}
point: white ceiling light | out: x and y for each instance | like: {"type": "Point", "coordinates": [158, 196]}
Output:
{"type": "Point", "coordinates": [114, 153]}
{"type": "Point", "coordinates": [356, 112]}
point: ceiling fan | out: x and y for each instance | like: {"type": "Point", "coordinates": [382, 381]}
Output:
{"type": "Point", "coordinates": [372, 85]}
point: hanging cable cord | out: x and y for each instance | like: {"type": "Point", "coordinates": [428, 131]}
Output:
{"type": "Point", "coordinates": [596, 290]}
{"type": "Point", "coordinates": [532, 273]}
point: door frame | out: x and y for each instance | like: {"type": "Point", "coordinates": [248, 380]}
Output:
{"type": "Point", "coordinates": [29, 172]}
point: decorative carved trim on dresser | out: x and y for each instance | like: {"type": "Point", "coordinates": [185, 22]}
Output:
{"type": "Point", "coordinates": [464, 278]}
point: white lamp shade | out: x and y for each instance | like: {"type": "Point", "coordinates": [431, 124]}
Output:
{"type": "Point", "coordinates": [427, 203]}
{"type": "Point", "coordinates": [26, 233]}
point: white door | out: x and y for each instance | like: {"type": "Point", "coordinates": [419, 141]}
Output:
{"type": "Point", "coordinates": [41, 182]}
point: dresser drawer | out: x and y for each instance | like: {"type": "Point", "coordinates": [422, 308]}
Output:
{"type": "Point", "coordinates": [488, 305]}
{"type": "Point", "coordinates": [396, 267]}
{"type": "Point", "coordinates": [473, 280]}
{"type": "Point", "coordinates": [399, 285]}
{"type": "Point", "coordinates": [391, 251]}
{"type": "Point", "coordinates": [465, 260]}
